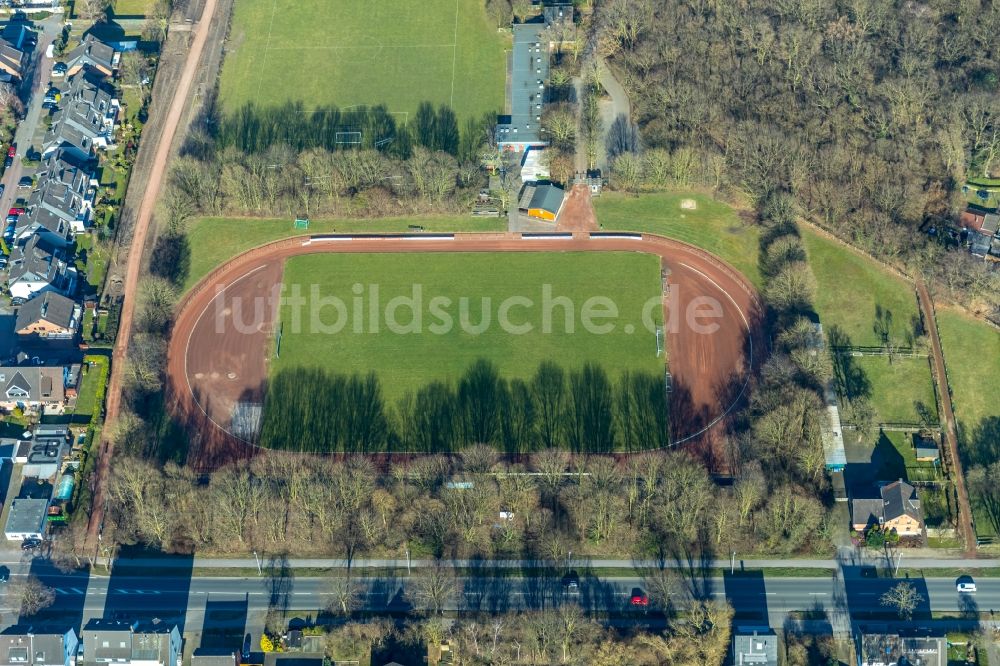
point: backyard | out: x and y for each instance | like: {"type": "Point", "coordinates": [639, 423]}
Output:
{"type": "Point", "coordinates": [857, 294]}
{"type": "Point", "coordinates": [353, 53]}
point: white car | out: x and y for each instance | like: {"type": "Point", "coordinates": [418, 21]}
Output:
{"type": "Point", "coordinates": [966, 586]}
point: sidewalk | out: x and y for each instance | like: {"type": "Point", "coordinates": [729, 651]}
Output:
{"type": "Point", "coordinates": [324, 563]}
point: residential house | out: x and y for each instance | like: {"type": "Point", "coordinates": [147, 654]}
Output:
{"type": "Point", "coordinates": [42, 649]}
{"type": "Point", "coordinates": [980, 220]}
{"type": "Point", "coordinates": [46, 455]}
{"type": "Point", "coordinates": [755, 646]}
{"type": "Point", "coordinates": [92, 55]}
{"type": "Point", "coordinates": [13, 60]}
{"type": "Point", "coordinates": [294, 659]}
{"type": "Point", "coordinates": [26, 519]}
{"type": "Point", "coordinates": [156, 644]}
{"type": "Point", "coordinates": [85, 121]}
{"type": "Point", "coordinates": [880, 647]}
{"type": "Point", "coordinates": [58, 209]}
{"type": "Point", "coordinates": [522, 128]}
{"type": "Point", "coordinates": [49, 315]}
{"type": "Point", "coordinates": [36, 266]}
{"type": "Point", "coordinates": [31, 386]}
{"type": "Point", "coordinates": [19, 35]}
{"type": "Point", "coordinates": [543, 202]}
{"type": "Point", "coordinates": [896, 508]}
{"type": "Point", "coordinates": [925, 447]}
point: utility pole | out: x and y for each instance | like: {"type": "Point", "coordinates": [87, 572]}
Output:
{"type": "Point", "coordinates": [732, 565]}
{"type": "Point", "coordinates": [407, 561]}
{"type": "Point", "coordinates": [260, 572]}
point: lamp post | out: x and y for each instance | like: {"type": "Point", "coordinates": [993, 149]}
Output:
{"type": "Point", "coordinates": [260, 572]}
{"type": "Point", "coordinates": [407, 561]}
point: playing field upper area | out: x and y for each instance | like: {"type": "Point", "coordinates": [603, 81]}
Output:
{"type": "Point", "coordinates": [365, 52]}
{"type": "Point", "coordinates": [406, 361]}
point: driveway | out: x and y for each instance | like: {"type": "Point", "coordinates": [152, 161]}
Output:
{"type": "Point", "coordinates": [40, 69]}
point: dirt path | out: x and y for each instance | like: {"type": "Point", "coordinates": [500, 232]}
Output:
{"type": "Point", "coordinates": [578, 211]}
{"type": "Point", "coordinates": [212, 364]}
{"type": "Point", "coordinates": [135, 258]}
{"type": "Point", "coordinates": [965, 528]}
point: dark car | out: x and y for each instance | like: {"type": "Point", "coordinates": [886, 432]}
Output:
{"type": "Point", "coordinates": [638, 598]}
{"type": "Point", "coordinates": [7, 161]}
{"type": "Point", "coordinates": [4, 574]}
{"type": "Point", "coordinates": [17, 300]}
{"type": "Point", "coordinates": [31, 544]}
{"type": "Point", "coordinates": [59, 69]}
{"type": "Point", "coordinates": [2, 188]}
{"type": "Point", "coordinates": [571, 582]}
{"type": "Point", "coordinates": [26, 181]}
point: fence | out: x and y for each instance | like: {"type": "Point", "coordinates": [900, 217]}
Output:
{"type": "Point", "coordinates": [860, 350]}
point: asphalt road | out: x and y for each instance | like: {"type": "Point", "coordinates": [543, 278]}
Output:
{"type": "Point", "coordinates": [40, 71]}
{"type": "Point", "coordinates": [168, 596]}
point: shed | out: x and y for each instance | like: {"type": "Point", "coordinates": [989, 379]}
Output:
{"type": "Point", "coordinates": [926, 447]}
{"type": "Point", "coordinates": [546, 202]}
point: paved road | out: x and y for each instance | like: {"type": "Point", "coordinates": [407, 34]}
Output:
{"type": "Point", "coordinates": [7, 557]}
{"type": "Point", "coordinates": [41, 69]}
{"type": "Point", "coordinates": [142, 596]}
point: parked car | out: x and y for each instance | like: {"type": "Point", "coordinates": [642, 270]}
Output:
{"type": "Point", "coordinates": [965, 585]}
{"type": "Point", "coordinates": [30, 544]}
{"type": "Point", "coordinates": [4, 574]}
{"type": "Point", "coordinates": [17, 300]}
{"type": "Point", "coordinates": [59, 69]}
{"type": "Point", "coordinates": [571, 582]}
{"type": "Point", "coordinates": [2, 188]}
{"type": "Point", "coordinates": [26, 181]}
{"type": "Point", "coordinates": [15, 211]}
{"type": "Point", "coordinates": [12, 150]}
{"type": "Point", "coordinates": [11, 221]}
{"type": "Point", "coordinates": [639, 598]}
{"type": "Point", "coordinates": [7, 161]}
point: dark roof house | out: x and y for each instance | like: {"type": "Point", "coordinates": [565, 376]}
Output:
{"type": "Point", "coordinates": [91, 54]}
{"type": "Point", "coordinates": [48, 315]}
{"type": "Point", "coordinates": [38, 649]}
{"type": "Point", "coordinates": [37, 266]}
{"type": "Point", "coordinates": [542, 201]}
{"type": "Point", "coordinates": [896, 507]}
{"type": "Point", "coordinates": [12, 59]}
{"type": "Point", "coordinates": [85, 120]}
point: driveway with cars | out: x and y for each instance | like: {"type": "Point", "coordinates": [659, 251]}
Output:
{"type": "Point", "coordinates": [27, 136]}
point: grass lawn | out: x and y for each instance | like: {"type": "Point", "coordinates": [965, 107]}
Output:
{"type": "Point", "coordinates": [896, 387]}
{"type": "Point", "coordinates": [713, 225]}
{"type": "Point", "coordinates": [851, 287]}
{"type": "Point", "coordinates": [409, 361]}
{"type": "Point", "coordinates": [133, 7]}
{"type": "Point", "coordinates": [972, 354]}
{"type": "Point", "coordinates": [214, 240]}
{"type": "Point", "coordinates": [899, 460]}
{"type": "Point", "coordinates": [354, 52]}
{"type": "Point", "coordinates": [92, 385]}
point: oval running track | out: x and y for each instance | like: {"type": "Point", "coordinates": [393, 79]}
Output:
{"type": "Point", "coordinates": [211, 366]}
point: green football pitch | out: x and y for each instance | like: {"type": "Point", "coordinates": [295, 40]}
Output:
{"type": "Point", "coordinates": [405, 361]}
{"type": "Point", "coordinates": [352, 52]}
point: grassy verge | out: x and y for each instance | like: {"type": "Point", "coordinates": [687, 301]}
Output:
{"type": "Point", "coordinates": [711, 225]}
{"type": "Point", "coordinates": [215, 240]}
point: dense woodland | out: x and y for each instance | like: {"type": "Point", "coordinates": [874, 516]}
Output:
{"type": "Point", "coordinates": [310, 410]}
{"type": "Point", "coordinates": [282, 161]}
{"type": "Point", "coordinates": [872, 114]}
